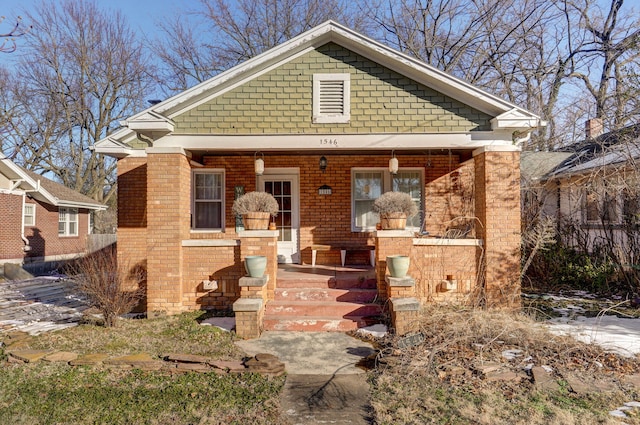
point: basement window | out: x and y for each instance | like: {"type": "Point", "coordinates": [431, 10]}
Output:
{"type": "Point", "coordinates": [331, 98]}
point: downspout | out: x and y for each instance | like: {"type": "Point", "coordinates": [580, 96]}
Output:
{"type": "Point", "coordinates": [26, 247]}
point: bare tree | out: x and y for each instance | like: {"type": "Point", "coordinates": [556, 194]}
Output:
{"type": "Point", "coordinates": [81, 72]}
{"type": "Point", "coordinates": [227, 32]}
{"type": "Point", "coordinates": [541, 54]}
{"type": "Point", "coordinates": [8, 43]}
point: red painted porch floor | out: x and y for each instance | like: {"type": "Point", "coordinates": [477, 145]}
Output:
{"type": "Point", "coordinates": [323, 298]}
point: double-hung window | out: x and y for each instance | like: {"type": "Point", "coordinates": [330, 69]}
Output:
{"type": "Point", "coordinates": [368, 184]}
{"type": "Point", "coordinates": [29, 214]}
{"type": "Point", "coordinates": [208, 200]}
{"type": "Point", "coordinates": [68, 222]}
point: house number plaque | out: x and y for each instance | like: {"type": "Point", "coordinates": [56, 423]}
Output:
{"type": "Point", "coordinates": [327, 141]}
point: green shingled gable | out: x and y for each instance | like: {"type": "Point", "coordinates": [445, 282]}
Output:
{"type": "Point", "coordinates": [280, 101]}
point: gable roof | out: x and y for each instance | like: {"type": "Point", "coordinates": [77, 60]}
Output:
{"type": "Point", "coordinates": [609, 149]}
{"type": "Point", "coordinates": [44, 189]}
{"type": "Point", "coordinates": [156, 120]}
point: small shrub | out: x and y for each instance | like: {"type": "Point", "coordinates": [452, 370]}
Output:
{"type": "Point", "coordinates": [564, 266]}
{"type": "Point", "coordinates": [395, 202]}
{"type": "Point", "coordinates": [114, 289]}
{"type": "Point", "coordinates": [255, 202]}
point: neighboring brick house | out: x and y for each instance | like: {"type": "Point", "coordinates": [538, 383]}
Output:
{"type": "Point", "coordinates": [40, 220]}
{"type": "Point", "coordinates": [325, 111]}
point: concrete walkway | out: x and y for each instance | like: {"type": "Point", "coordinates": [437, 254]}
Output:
{"type": "Point", "coordinates": [323, 385]}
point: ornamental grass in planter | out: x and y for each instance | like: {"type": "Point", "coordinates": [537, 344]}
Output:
{"type": "Point", "coordinates": [394, 208]}
{"type": "Point", "coordinates": [255, 209]}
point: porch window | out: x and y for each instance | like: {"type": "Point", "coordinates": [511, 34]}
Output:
{"type": "Point", "coordinates": [368, 184]}
{"type": "Point", "coordinates": [331, 98]}
{"type": "Point", "coordinates": [29, 214]}
{"type": "Point", "coordinates": [208, 200]}
{"type": "Point", "coordinates": [68, 222]}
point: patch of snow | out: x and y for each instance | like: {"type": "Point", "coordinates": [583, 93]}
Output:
{"type": "Point", "coordinates": [224, 323]}
{"type": "Point", "coordinates": [547, 369]}
{"type": "Point", "coordinates": [378, 330]}
{"type": "Point", "coordinates": [619, 335]}
{"type": "Point", "coordinates": [618, 413]}
{"type": "Point", "coordinates": [632, 404]}
{"type": "Point", "coordinates": [511, 354]}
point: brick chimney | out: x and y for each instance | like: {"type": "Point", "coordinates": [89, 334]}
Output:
{"type": "Point", "coordinates": [593, 128]}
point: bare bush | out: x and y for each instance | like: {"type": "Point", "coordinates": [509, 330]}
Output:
{"type": "Point", "coordinates": [112, 288]}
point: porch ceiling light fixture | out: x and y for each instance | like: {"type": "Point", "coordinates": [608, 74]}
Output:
{"type": "Point", "coordinates": [258, 163]}
{"type": "Point", "coordinates": [393, 163]}
{"type": "Point", "coordinates": [323, 164]}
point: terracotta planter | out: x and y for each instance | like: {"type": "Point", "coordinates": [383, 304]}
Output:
{"type": "Point", "coordinates": [256, 220]}
{"type": "Point", "coordinates": [255, 265]}
{"type": "Point", "coordinates": [393, 221]}
{"type": "Point", "coordinates": [398, 265]}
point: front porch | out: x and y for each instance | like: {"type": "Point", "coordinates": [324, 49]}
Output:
{"type": "Point", "coordinates": [341, 298]}
{"type": "Point", "coordinates": [191, 268]}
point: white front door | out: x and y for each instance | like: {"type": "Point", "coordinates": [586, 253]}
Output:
{"type": "Point", "coordinates": [283, 184]}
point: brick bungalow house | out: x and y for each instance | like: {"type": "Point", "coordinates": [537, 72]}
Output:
{"type": "Point", "coordinates": [41, 220]}
{"type": "Point", "coordinates": [325, 111]}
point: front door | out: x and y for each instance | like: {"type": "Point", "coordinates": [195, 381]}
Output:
{"type": "Point", "coordinates": [283, 185]}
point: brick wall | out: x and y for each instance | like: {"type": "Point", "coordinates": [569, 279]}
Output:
{"type": "Point", "coordinates": [218, 263]}
{"type": "Point", "coordinates": [498, 209]}
{"type": "Point", "coordinates": [132, 215]}
{"type": "Point", "coordinates": [382, 101]}
{"type": "Point", "coordinates": [43, 237]}
{"type": "Point", "coordinates": [168, 218]}
{"type": "Point", "coordinates": [11, 212]}
{"type": "Point", "coordinates": [431, 264]}
{"type": "Point", "coordinates": [451, 182]}
{"type": "Point", "coordinates": [327, 218]}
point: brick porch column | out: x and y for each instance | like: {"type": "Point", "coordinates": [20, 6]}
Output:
{"type": "Point", "coordinates": [390, 242]}
{"type": "Point", "coordinates": [497, 204]}
{"type": "Point", "coordinates": [262, 242]}
{"type": "Point", "coordinates": [168, 223]}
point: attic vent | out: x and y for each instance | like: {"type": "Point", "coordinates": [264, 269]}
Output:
{"type": "Point", "coordinates": [331, 98]}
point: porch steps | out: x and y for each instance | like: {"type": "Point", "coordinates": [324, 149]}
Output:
{"type": "Point", "coordinates": [315, 302]}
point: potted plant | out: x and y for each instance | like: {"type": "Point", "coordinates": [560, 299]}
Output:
{"type": "Point", "coordinates": [255, 209]}
{"type": "Point", "coordinates": [398, 265]}
{"type": "Point", "coordinates": [394, 208]}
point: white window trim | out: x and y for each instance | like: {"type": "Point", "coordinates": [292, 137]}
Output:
{"type": "Point", "coordinates": [318, 116]}
{"type": "Point", "coordinates": [220, 171]}
{"type": "Point", "coordinates": [386, 187]}
{"type": "Point", "coordinates": [67, 220]}
{"type": "Point", "coordinates": [25, 215]}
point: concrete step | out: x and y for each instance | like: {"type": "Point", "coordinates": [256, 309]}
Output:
{"type": "Point", "coordinates": [326, 294]}
{"type": "Point", "coordinates": [330, 310]}
{"type": "Point", "coordinates": [348, 282]}
{"type": "Point", "coordinates": [313, 324]}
